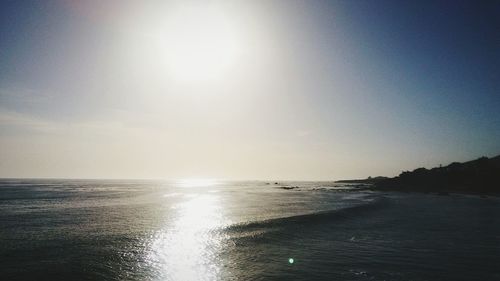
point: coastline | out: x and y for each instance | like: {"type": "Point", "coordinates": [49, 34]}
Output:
{"type": "Point", "coordinates": [478, 177]}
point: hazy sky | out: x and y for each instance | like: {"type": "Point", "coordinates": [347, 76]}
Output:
{"type": "Point", "coordinates": [246, 90]}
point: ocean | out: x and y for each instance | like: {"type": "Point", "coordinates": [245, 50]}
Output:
{"type": "Point", "coordinates": [252, 230]}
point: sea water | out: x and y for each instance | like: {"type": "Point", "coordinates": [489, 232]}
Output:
{"type": "Point", "coordinates": [218, 230]}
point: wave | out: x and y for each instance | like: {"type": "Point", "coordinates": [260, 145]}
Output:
{"type": "Point", "coordinates": [261, 227]}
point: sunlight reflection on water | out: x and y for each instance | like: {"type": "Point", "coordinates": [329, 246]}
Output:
{"type": "Point", "coordinates": [188, 248]}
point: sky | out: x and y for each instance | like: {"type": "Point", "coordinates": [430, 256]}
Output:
{"type": "Point", "coordinates": [241, 90]}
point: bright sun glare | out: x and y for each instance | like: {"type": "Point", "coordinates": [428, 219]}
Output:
{"type": "Point", "coordinates": [201, 43]}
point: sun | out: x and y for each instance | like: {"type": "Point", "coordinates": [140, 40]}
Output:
{"type": "Point", "coordinates": [201, 43]}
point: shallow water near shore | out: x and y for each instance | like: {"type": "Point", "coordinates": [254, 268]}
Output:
{"type": "Point", "coordinates": [209, 230]}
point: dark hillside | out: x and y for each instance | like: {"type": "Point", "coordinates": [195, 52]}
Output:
{"type": "Point", "coordinates": [478, 176]}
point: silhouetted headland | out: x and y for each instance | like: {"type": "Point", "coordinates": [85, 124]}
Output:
{"type": "Point", "coordinates": [477, 176]}
{"type": "Point", "coordinates": [369, 180]}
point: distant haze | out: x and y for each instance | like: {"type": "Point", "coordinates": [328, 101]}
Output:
{"type": "Point", "coordinates": [299, 90]}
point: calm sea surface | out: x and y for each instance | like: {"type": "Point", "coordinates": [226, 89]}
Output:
{"type": "Point", "coordinates": [205, 230]}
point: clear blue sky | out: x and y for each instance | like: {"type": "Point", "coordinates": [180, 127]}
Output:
{"type": "Point", "coordinates": [287, 89]}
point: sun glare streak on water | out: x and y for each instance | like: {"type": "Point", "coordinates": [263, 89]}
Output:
{"type": "Point", "coordinates": [188, 249]}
